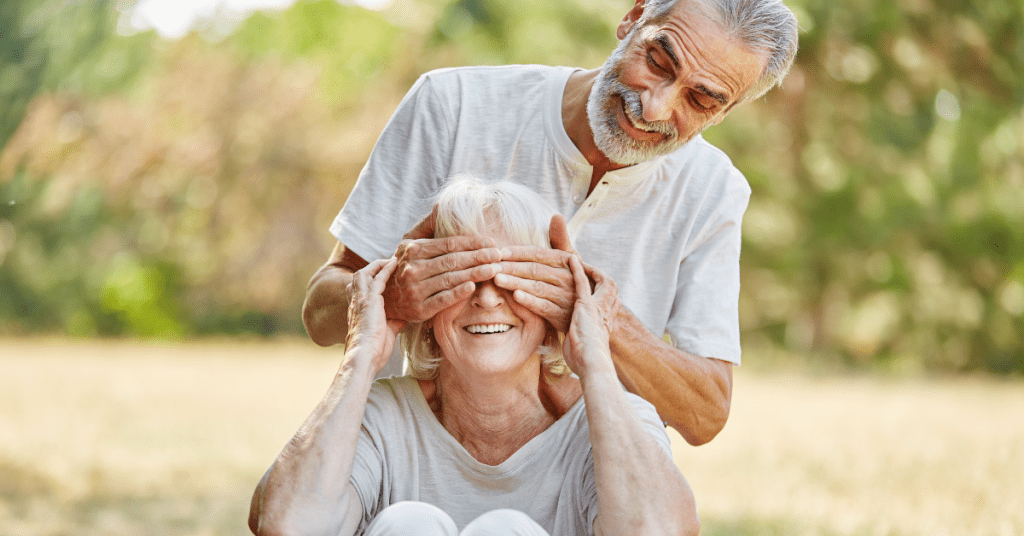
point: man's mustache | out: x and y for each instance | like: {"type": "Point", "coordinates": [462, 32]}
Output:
{"type": "Point", "coordinates": [631, 98]}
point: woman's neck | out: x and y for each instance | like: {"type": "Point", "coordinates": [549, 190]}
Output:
{"type": "Point", "coordinates": [494, 416]}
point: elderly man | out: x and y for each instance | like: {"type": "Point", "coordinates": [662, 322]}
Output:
{"type": "Point", "coordinates": [618, 152]}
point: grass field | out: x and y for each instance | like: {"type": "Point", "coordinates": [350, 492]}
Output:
{"type": "Point", "coordinates": [131, 438]}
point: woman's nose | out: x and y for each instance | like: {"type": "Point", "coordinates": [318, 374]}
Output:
{"type": "Point", "coordinates": [487, 295]}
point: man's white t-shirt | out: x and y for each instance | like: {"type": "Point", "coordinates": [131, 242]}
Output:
{"type": "Point", "coordinates": [667, 231]}
{"type": "Point", "coordinates": [405, 454]}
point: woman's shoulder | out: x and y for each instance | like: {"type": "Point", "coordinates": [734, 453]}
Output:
{"type": "Point", "coordinates": [394, 398]}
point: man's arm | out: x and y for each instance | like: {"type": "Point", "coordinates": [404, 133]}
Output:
{"type": "Point", "coordinates": [692, 393]}
{"type": "Point", "coordinates": [325, 311]}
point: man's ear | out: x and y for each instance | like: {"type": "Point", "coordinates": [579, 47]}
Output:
{"type": "Point", "coordinates": [632, 16]}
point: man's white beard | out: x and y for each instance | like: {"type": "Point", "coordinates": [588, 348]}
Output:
{"type": "Point", "coordinates": [602, 111]}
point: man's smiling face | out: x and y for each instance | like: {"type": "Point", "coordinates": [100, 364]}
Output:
{"type": "Point", "coordinates": [667, 81]}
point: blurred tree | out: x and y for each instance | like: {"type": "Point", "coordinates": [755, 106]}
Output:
{"type": "Point", "coordinates": [881, 226]}
{"type": "Point", "coordinates": [52, 44]}
{"type": "Point", "coordinates": [886, 227]}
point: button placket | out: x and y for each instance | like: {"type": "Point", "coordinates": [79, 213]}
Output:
{"type": "Point", "coordinates": [598, 194]}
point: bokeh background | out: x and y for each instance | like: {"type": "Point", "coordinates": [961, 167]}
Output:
{"type": "Point", "coordinates": [168, 171]}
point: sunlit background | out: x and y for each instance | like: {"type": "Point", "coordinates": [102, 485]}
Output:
{"type": "Point", "coordinates": [169, 168]}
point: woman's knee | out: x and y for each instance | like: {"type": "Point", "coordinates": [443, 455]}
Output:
{"type": "Point", "coordinates": [503, 522]}
{"type": "Point", "coordinates": [412, 518]}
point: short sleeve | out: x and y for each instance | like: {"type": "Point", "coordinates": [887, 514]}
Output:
{"type": "Point", "coordinates": [409, 162]}
{"type": "Point", "coordinates": [705, 310]}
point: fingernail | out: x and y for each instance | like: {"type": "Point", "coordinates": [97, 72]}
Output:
{"type": "Point", "coordinates": [499, 278]}
{"type": "Point", "coordinates": [506, 252]}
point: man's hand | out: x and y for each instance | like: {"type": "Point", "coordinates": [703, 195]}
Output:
{"type": "Point", "coordinates": [540, 278]}
{"type": "Point", "coordinates": [435, 273]}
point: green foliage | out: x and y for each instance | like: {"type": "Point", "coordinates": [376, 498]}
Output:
{"type": "Point", "coordinates": [350, 45]}
{"type": "Point", "coordinates": [70, 272]}
{"type": "Point", "coordinates": [51, 44]}
{"type": "Point", "coordinates": [885, 227]}
{"type": "Point", "coordinates": [21, 68]}
{"type": "Point", "coordinates": [895, 160]}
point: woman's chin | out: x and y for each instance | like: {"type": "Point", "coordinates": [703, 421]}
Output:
{"type": "Point", "coordinates": [495, 363]}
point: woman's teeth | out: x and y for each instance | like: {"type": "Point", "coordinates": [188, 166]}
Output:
{"type": "Point", "coordinates": [488, 328]}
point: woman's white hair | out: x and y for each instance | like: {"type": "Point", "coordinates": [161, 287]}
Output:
{"type": "Point", "coordinates": [469, 206]}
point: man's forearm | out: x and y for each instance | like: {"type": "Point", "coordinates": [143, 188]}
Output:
{"type": "Point", "coordinates": [325, 311]}
{"type": "Point", "coordinates": [692, 393]}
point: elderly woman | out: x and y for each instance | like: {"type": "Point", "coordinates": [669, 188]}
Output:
{"type": "Point", "coordinates": [489, 434]}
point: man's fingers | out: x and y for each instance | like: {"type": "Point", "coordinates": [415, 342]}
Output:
{"type": "Point", "coordinates": [442, 280]}
{"type": "Point", "coordinates": [556, 294]}
{"type": "Point", "coordinates": [557, 276]}
{"type": "Point", "coordinates": [558, 233]}
{"type": "Point", "coordinates": [449, 280]}
{"type": "Point", "coordinates": [426, 249]}
{"type": "Point", "coordinates": [478, 263]}
{"type": "Point", "coordinates": [446, 298]}
{"type": "Point", "coordinates": [542, 255]}
{"type": "Point", "coordinates": [540, 306]}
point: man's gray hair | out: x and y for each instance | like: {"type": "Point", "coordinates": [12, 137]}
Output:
{"type": "Point", "coordinates": [469, 206]}
{"type": "Point", "coordinates": [765, 26]}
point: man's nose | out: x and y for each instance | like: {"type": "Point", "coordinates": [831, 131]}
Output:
{"type": "Point", "coordinates": [657, 103]}
{"type": "Point", "coordinates": [487, 295]}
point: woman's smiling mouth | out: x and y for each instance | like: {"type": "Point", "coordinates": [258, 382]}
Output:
{"type": "Point", "coordinates": [478, 329]}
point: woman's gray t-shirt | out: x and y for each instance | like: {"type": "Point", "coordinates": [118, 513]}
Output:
{"type": "Point", "coordinates": [405, 454]}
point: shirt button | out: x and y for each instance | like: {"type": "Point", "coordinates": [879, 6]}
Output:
{"type": "Point", "coordinates": [578, 198]}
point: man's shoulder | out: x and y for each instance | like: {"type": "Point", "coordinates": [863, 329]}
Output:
{"type": "Point", "coordinates": [701, 151]}
{"type": "Point", "coordinates": [511, 77]}
{"type": "Point", "coordinates": [702, 161]}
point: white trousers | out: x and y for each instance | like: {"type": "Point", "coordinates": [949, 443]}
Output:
{"type": "Point", "coordinates": [411, 518]}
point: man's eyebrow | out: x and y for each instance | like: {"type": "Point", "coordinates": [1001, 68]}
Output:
{"type": "Point", "coordinates": [667, 47]}
{"type": "Point", "coordinates": [713, 94]}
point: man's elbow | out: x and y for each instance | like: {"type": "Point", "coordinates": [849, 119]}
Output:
{"type": "Point", "coordinates": [705, 425]}
{"type": "Point", "coordinates": [316, 327]}
{"type": "Point", "coordinates": [692, 526]}
{"type": "Point", "coordinates": [320, 312]}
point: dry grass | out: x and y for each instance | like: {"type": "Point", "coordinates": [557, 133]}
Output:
{"type": "Point", "coordinates": [126, 438]}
